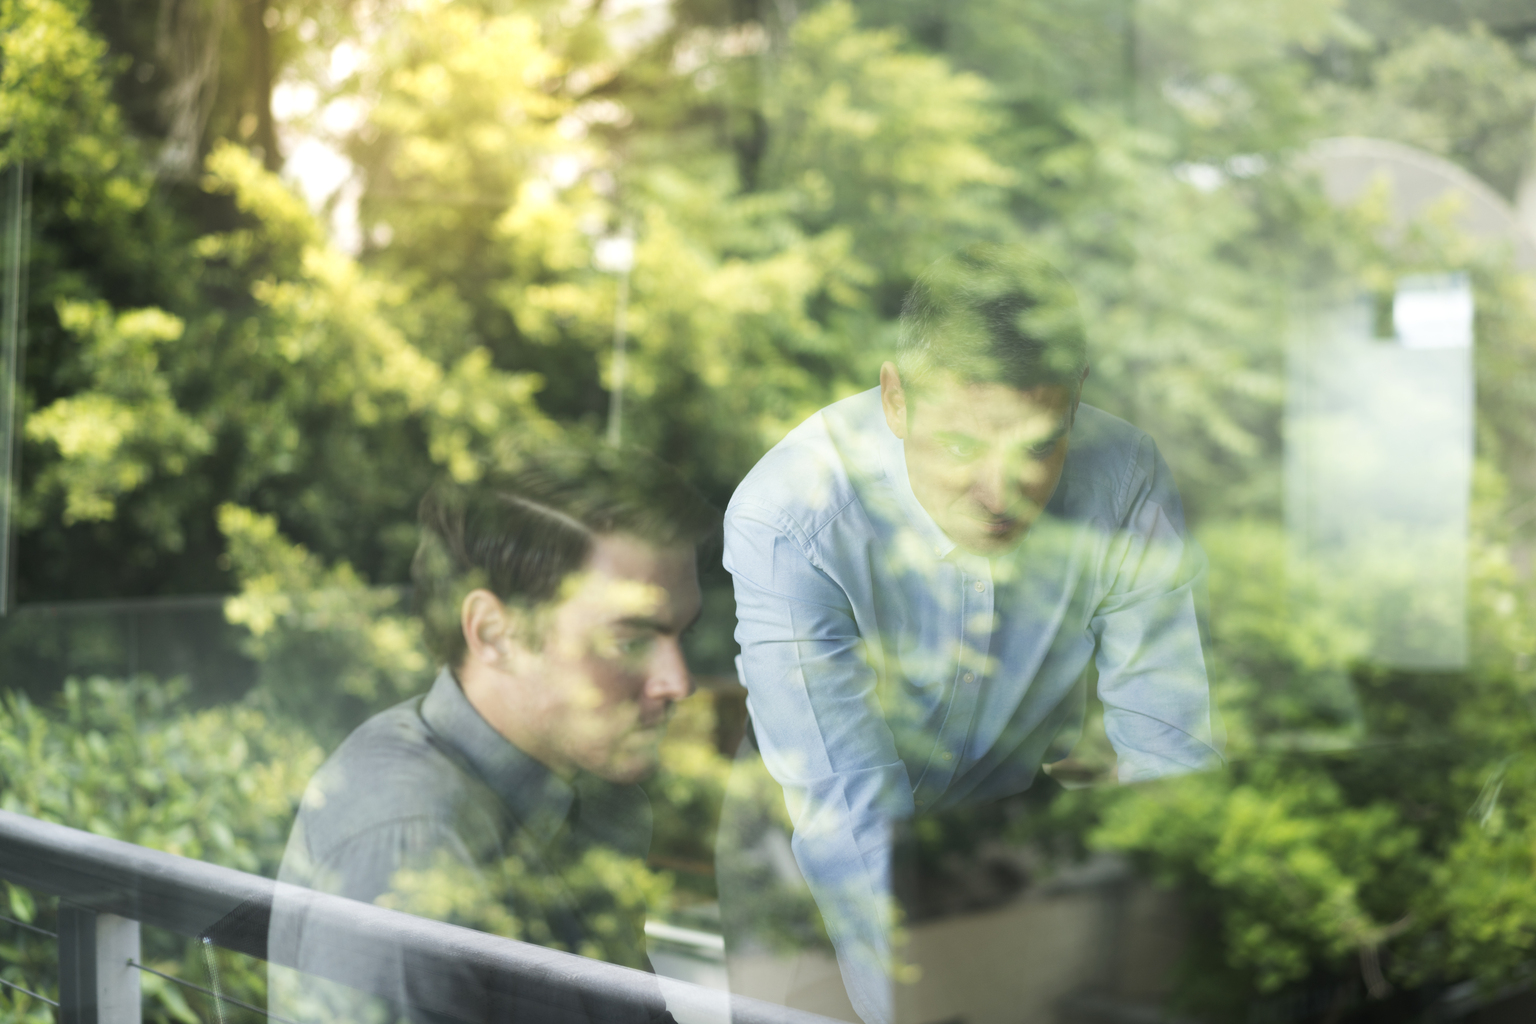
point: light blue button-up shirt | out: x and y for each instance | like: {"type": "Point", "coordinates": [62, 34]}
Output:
{"type": "Point", "coordinates": [890, 672]}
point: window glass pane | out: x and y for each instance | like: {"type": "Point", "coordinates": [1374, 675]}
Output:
{"type": "Point", "coordinates": [909, 512]}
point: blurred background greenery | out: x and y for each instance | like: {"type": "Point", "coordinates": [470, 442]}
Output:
{"type": "Point", "coordinates": [238, 382]}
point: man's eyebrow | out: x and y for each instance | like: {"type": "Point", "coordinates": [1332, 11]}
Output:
{"type": "Point", "coordinates": [1056, 435]}
{"type": "Point", "coordinates": [659, 625]}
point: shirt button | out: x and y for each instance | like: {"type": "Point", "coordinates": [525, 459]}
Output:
{"type": "Point", "coordinates": [948, 756]}
{"type": "Point", "coordinates": [969, 677]}
{"type": "Point", "coordinates": [980, 586]}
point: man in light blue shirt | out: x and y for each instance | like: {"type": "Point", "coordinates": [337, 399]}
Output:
{"type": "Point", "coordinates": [923, 572]}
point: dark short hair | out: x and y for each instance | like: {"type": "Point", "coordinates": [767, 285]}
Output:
{"type": "Point", "coordinates": [991, 314]}
{"type": "Point", "coordinates": [520, 533]}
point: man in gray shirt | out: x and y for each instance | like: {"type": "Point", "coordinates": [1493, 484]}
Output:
{"type": "Point", "coordinates": [556, 598]}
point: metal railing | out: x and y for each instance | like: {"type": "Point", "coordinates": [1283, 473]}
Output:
{"type": "Point", "coordinates": [108, 888]}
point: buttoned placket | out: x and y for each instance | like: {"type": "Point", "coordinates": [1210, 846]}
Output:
{"type": "Point", "coordinates": [974, 617]}
{"type": "Point", "coordinates": [972, 636]}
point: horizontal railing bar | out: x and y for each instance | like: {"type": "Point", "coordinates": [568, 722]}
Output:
{"type": "Point", "coordinates": [110, 606]}
{"type": "Point", "coordinates": [34, 995]}
{"type": "Point", "coordinates": [111, 876]}
{"type": "Point", "coordinates": [29, 927]}
{"type": "Point", "coordinates": [150, 605]}
{"type": "Point", "coordinates": [210, 992]}
{"type": "Point", "coordinates": [685, 936]}
{"type": "Point", "coordinates": [234, 910]}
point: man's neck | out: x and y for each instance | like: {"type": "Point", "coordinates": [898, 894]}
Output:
{"type": "Point", "coordinates": [493, 694]}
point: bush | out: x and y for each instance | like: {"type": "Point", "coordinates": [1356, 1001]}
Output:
{"type": "Point", "coordinates": [122, 759]}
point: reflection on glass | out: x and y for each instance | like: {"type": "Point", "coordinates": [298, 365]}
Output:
{"type": "Point", "coordinates": [293, 261]}
{"type": "Point", "coordinates": [1379, 466]}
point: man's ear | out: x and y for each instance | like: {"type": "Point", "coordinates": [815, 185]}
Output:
{"type": "Point", "coordinates": [893, 399]}
{"type": "Point", "coordinates": [488, 626]}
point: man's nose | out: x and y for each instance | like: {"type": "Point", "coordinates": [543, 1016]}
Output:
{"type": "Point", "coordinates": [669, 677]}
{"type": "Point", "coordinates": [992, 487]}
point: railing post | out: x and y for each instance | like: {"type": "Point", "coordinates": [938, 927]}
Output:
{"type": "Point", "coordinates": [96, 984]}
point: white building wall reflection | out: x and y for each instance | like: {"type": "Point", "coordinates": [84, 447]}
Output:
{"type": "Point", "coordinates": [1378, 467]}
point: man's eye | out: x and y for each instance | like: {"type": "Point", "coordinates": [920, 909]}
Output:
{"type": "Point", "coordinates": [632, 646]}
{"type": "Point", "coordinates": [961, 449]}
{"type": "Point", "coordinates": [1042, 449]}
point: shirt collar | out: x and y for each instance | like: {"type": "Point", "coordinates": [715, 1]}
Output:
{"type": "Point", "coordinates": [539, 799]}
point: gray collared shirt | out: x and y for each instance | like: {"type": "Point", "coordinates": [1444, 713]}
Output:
{"type": "Point", "coordinates": [426, 808]}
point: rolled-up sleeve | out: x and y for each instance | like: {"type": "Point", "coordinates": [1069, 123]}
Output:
{"type": "Point", "coordinates": [812, 694]}
{"type": "Point", "coordinates": [1149, 629]}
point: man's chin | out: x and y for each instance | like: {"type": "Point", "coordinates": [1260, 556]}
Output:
{"type": "Point", "coordinates": [627, 774]}
{"type": "Point", "coordinates": [637, 762]}
{"type": "Point", "coordinates": [981, 539]}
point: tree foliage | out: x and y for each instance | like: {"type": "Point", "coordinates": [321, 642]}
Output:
{"type": "Point", "coordinates": [222, 396]}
